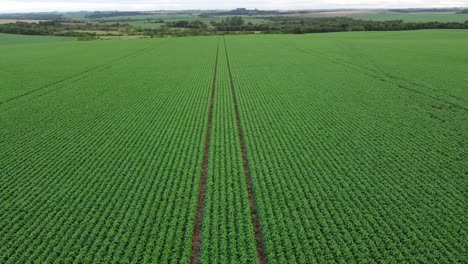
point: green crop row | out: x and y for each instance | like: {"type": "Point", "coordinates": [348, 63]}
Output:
{"type": "Point", "coordinates": [105, 168]}
{"type": "Point", "coordinates": [227, 231]}
{"type": "Point", "coordinates": [349, 163]}
{"type": "Point", "coordinates": [356, 144]}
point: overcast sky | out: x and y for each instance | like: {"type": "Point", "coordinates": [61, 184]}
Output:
{"type": "Point", "coordinates": [9, 6]}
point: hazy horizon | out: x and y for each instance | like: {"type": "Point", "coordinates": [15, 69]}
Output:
{"type": "Point", "coordinates": [28, 6]}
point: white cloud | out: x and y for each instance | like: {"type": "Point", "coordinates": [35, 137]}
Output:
{"type": "Point", "coordinates": [8, 6]}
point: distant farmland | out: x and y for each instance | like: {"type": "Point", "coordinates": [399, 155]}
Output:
{"type": "Point", "coordinates": [340, 147]}
{"type": "Point", "coordinates": [413, 17]}
{"type": "Point", "coordinates": [386, 15]}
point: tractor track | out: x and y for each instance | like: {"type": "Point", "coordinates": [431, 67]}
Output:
{"type": "Point", "coordinates": [254, 217]}
{"type": "Point", "coordinates": [200, 211]}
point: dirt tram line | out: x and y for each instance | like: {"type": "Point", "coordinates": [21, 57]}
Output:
{"type": "Point", "coordinates": [260, 246]}
{"type": "Point", "coordinates": [197, 231]}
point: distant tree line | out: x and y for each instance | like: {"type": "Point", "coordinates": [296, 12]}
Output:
{"type": "Point", "coordinates": [228, 25]}
{"type": "Point", "coordinates": [154, 21]}
{"type": "Point", "coordinates": [300, 25]}
{"type": "Point", "coordinates": [61, 28]}
{"type": "Point", "coordinates": [84, 31]}
{"type": "Point", "coordinates": [24, 28]}
{"type": "Point", "coordinates": [297, 25]}
{"type": "Point", "coordinates": [195, 24]}
{"type": "Point", "coordinates": [234, 23]}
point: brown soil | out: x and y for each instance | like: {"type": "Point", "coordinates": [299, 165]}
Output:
{"type": "Point", "coordinates": [197, 231]}
{"type": "Point", "coordinates": [260, 246]}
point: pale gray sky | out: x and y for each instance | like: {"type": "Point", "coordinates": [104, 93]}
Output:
{"type": "Point", "coordinates": [9, 6]}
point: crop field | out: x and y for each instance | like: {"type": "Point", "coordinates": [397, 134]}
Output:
{"type": "Point", "coordinates": [7, 21]}
{"type": "Point", "coordinates": [412, 17]}
{"type": "Point", "coordinates": [340, 147]}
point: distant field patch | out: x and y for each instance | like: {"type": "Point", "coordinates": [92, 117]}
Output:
{"type": "Point", "coordinates": [376, 15]}
{"type": "Point", "coordinates": [339, 13]}
{"type": "Point", "coordinates": [412, 17]}
{"type": "Point", "coordinates": [8, 21]}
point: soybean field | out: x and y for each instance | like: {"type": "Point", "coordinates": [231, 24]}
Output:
{"type": "Point", "coordinates": [340, 147]}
